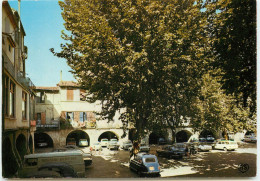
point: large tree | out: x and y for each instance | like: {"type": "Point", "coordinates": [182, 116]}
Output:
{"type": "Point", "coordinates": [233, 31]}
{"type": "Point", "coordinates": [142, 57]}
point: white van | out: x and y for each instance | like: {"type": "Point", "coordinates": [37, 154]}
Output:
{"type": "Point", "coordinates": [33, 162]}
{"type": "Point", "coordinates": [226, 145]}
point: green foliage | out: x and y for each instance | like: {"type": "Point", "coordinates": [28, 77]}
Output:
{"type": "Point", "coordinates": [216, 110]}
{"type": "Point", "coordinates": [149, 60]}
{"type": "Point", "coordinates": [233, 26]}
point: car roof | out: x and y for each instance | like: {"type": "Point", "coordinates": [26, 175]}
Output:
{"type": "Point", "coordinates": [53, 154]}
{"type": "Point", "coordinates": [145, 155]}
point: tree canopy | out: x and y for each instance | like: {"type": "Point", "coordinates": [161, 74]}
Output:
{"type": "Point", "coordinates": [147, 59]}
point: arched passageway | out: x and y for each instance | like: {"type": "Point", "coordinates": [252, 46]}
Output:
{"type": "Point", "coordinates": [109, 135]}
{"type": "Point", "coordinates": [21, 145]}
{"type": "Point", "coordinates": [9, 164]}
{"type": "Point", "coordinates": [42, 140]}
{"type": "Point", "coordinates": [250, 132]}
{"type": "Point", "coordinates": [183, 136]}
{"type": "Point", "coordinates": [77, 135]}
{"type": "Point", "coordinates": [206, 133]}
{"type": "Point", "coordinates": [154, 137]}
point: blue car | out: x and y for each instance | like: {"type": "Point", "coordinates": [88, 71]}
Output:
{"type": "Point", "coordinates": [145, 164]}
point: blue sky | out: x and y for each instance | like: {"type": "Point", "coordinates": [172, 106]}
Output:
{"type": "Point", "coordinates": [43, 23]}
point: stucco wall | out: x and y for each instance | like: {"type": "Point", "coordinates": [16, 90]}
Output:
{"type": "Point", "coordinates": [5, 47]}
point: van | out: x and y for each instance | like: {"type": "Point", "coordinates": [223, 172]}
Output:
{"type": "Point", "coordinates": [33, 162]}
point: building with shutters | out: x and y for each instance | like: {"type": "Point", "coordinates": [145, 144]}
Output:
{"type": "Point", "coordinates": [18, 124]}
{"type": "Point", "coordinates": [64, 107]}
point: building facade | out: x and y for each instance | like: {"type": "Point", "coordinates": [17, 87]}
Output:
{"type": "Point", "coordinates": [62, 112]}
{"type": "Point", "coordinates": [18, 123]}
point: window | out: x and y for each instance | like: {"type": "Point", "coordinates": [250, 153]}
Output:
{"type": "Point", "coordinates": [38, 118]}
{"type": "Point", "coordinates": [42, 98]}
{"type": "Point", "coordinates": [69, 94]}
{"type": "Point", "coordinates": [69, 115]}
{"type": "Point", "coordinates": [150, 160]}
{"type": "Point", "coordinates": [5, 94]}
{"type": "Point", "coordinates": [11, 99]}
{"type": "Point", "coordinates": [24, 105]}
{"type": "Point", "coordinates": [82, 116]}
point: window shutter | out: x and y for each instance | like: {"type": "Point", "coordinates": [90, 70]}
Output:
{"type": "Point", "coordinates": [43, 118]}
{"type": "Point", "coordinates": [69, 94]}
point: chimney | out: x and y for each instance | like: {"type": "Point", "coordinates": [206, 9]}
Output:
{"type": "Point", "coordinates": [61, 75]}
{"type": "Point", "coordinates": [19, 13]}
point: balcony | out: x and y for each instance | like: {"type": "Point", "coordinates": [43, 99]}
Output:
{"type": "Point", "coordinates": [25, 81]}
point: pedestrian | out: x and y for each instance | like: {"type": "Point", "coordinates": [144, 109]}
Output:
{"type": "Point", "coordinates": [187, 151]}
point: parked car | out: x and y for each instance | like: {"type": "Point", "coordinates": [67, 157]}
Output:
{"type": "Point", "coordinates": [42, 143]}
{"type": "Point", "coordinates": [250, 139]}
{"type": "Point", "coordinates": [104, 142]}
{"type": "Point", "coordinates": [202, 140]}
{"type": "Point", "coordinates": [113, 144]}
{"type": "Point", "coordinates": [181, 146]}
{"type": "Point", "coordinates": [162, 141]}
{"type": "Point", "coordinates": [226, 145]}
{"type": "Point", "coordinates": [127, 144]}
{"type": "Point", "coordinates": [170, 151]}
{"type": "Point", "coordinates": [204, 147]}
{"type": "Point", "coordinates": [144, 148]}
{"type": "Point", "coordinates": [71, 141]}
{"type": "Point", "coordinates": [97, 146]}
{"type": "Point", "coordinates": [210, 138]}
{"type": "Point", "coordinates": [42, 174]}
{"type": "Point", "coordinates": [64, 169]}
{"type": "Point", "coordinates": [145, 164]}
{"type": "Point", "coordinates": [83, 142]}
{"type": "Point", "coordinates": [87, 157]}
{"type": "Point", "coordinates": [33, 162]}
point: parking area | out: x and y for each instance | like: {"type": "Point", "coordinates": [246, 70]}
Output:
{"type": "Point", "coordinates": [215, 163]}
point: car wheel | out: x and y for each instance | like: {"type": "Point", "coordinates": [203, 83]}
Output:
{"type": "Point", "coordinates": [139, 173]}
{"type": "Point", "coordinates": [225, 149]}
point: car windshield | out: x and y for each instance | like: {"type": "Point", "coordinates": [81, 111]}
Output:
{"type": "Point", "coordinates": [104, 140]}
{"type": "Point", "coordinates": [96, 143]}
{"type": "Point", "coordinates": [149, 160]}
{"type": "Point", "coordinates": [180, 146]}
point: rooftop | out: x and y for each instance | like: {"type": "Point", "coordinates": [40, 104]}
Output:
{"type": "Point", "coordinates": [67, 84]}
{"type": "Point", "coordinates": [47, 88]}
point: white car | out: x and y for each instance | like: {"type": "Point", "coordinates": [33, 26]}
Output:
{"type": "Point", "coordinates": [226, 145]}
{"type": "Point", "coordinates": [97, 146]}
{"type": "Point", "coordinates": [204, 147]}
{"type": "Point", "coordinates": [249, 138]}
{"type": "Point", "coordinates": [104, 142]}
{"type": "Point", "coordinates": [83, 142]}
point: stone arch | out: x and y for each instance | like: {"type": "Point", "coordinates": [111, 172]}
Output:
{"type": "Point", "coordinates": [109, 135]}
{"type": "Point", "coordinates": [204, 133]}
{"type": "Point", "coordinates": [183, 136]}
{"type": "Point", "coordinates": [21, 145]}
{"type": "Point", "coordinates": [9, 163]}
{"type": "Point", "coordinates": [77, 135]}
{"type": "Point", "coordinates": [154, 137]}
{"type": "Point", "coordinates": [249, 132]}
{"type": "Point", "coordinates": [43, 137]}
{"type": "Point", "coordinates": [31, 144]}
